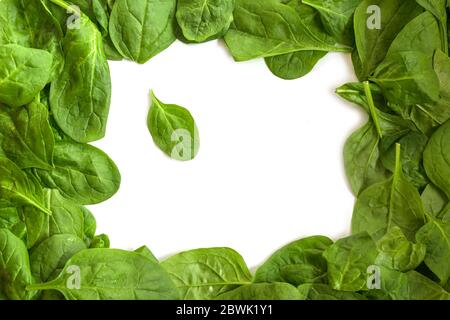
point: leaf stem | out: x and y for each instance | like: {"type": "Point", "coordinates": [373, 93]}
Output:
{"type": "Point", "coordinates": [398, 161]}
{"type": "Point", "coordinates": [64, 5]}
{"type": "Point", "coordinates": [372, 109]}
{"type": "Point", "coordinates": [444, 37]}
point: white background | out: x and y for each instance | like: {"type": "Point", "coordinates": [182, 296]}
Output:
{"type": "Point", "coordinates": [270, 167]}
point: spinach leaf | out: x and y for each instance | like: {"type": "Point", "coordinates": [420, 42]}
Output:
{"type": "Point", "coordinates": [100, 241]}
{"type": "Point", "coordinates": [19, 189]}
{"type": "Point", "coordinates": [202, 20]}
{"type": "Point", "coordinates": [364, 149]}
{"type": "Point", "coordinates": [140, 29]}
{"type": "Point", "coordinates": [435, 158]}
{"type": "Point", "coordinates": [355, 92]}
{"type": "Point", "coordinates": [206, 273]}
{"type": "Point", "coordinates": [23, 73]}
{"type": "Point", "coordinates": [373, 43]}
{"type": "Point", "coordinates": [362, 158]}
{"type": "Point", "coordinates": [70, 218]}
{"type": "Point", "coordinates": [337, 17]}
{"type": "Point", "coordinates": [268, 28]}
{"type": "Point", "coordinates": [82, 173]}
{"type": "Point", "coordinates": [348, 260]}
{"type": "Point", "coordinates": [439, 112]}
{"type": "Point", "coordinates": [96, 10]}
{"type": "Point", "coordinates": [10, 220]}
{"type": "Point", "coordinates": [413, 144]}
{"type": "Point", "coordinates": [110, 274]}
{"type": "Point", "coordinates": [30, 24]}
{"type": "Point", "coordinates": [173, 130]}
{"type": "Point", "coordinates": [435, 235]}
{"type": "Point", "coordinates": [297, 263]}
{"type": "Point", "coordinates": [439, 9]}
{"type": "Point", "coordinates": [15, 272]}
{"type": "Point", "coordinates": [398, 253]}
{"type": "Point", "coordinates": [411, 286]}
{"type": "Point", "coordinates": [294, 65]}
{"type": "Point", "coordinates": [394, 202]}
{"type": "Point", "coordinates": [66, 218]}
{"type": "Point", "coordinates": [50, 256]}
{"type": "Point", "coordinates": [420, 34]}
{"type": "Point", "coordinates": [408, 78]}
{"type": "Point", "coordinates": [26, 137]}
{"type": "Point", "coordinates": [318, 291]}
{"type": "Point", "coordinates": [146, 252]}
{"type": "Point", "coordinates": [262, 291]}
{"type": "Point", "coordinates": [85, 76]}
{"type": "Point", "coordinates": [434, 200]}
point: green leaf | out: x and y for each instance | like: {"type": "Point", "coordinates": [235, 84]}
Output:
{"type": "Point", "coordinates": [398, 253]}
{"type": "Point", "coordinates": [268, 28]}
{"type": "Point", "coordinates": [362, 161]}
{"type": "Point", "coordinates": [19, 189]}
{"type": "Point", "coordinates": [140, 29]}
{"type": "Point", "coordinates": [173, 130]}
{"type": "Point", "coordinates": [318, 291]}
{"type": "Point", "coordinates": [373, 43]}
{"type": "Point", "coordinates": [294, 65]}
{"type": "Point", "coordinates": [23, 73]}
{"type": "Point", "coordinates": [406, 75]}
{"type": "Point", "coordinates": [26, 137]}
{"type": "Point", "coordinates": [100, 241]}
{"type": "Point", "coordinates": [348, 260]}
{"type": "Point", "coordinates": [85, 76]}
{"type": "Point", "coordinates": [410, 286]}
{"type": "Point", "coordinates": [66, 218]}
{"type": "Point", "coordinates": [10, 220]}
{"type": "Point", "coordinates": [337, 17]}
{"type": "Point", "coordinates": [439, 112]}
{"type": "Point", "coordinates": [433, 200]}
{"type": "Point", "coordinates": [15, 272]}
{"type": "Point", "coordinates": [297, 263]}
{"type": "Point", "coordinates": [110, 274]}
{"type": "Point", "coordinates": [420, 34]}
{"type": "Point", "coordinates": [408, 78]}
{"type": "Point", "coordinates": [394, 202]}
{"type": "Point", "coordinates": [206, 273]}
{"type": "Point", "coordinates": [354, 92]}
{"type": "Point", "coordinates": [146, 252]}
{"type": "Point", "coordinates": [412, 146]}
{"type": "Point", "coordinates": [30, 24]}
{"type": "Point", "coordinates": [435, 235]}
{"type": "Point", "coordinates": [49, 257]}
{"type": "Point", "coordinates": [82, 173]}
{"type": "Point", "coordinates": [436, 158]}
{"type": "Point", "coordinates": [202, 20]}
{"type": "Point", "coordinates": [262, 291]}
{"type": "Point", "coordinates": [439, 9]}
